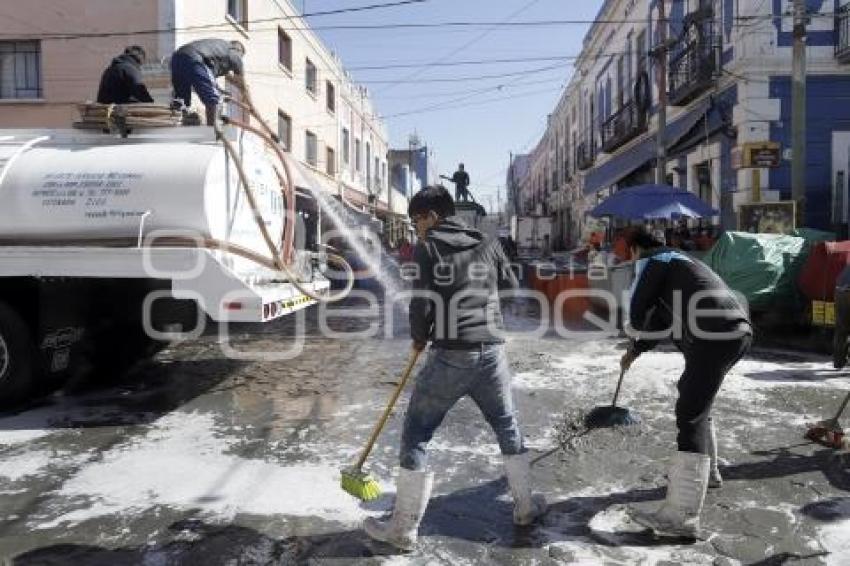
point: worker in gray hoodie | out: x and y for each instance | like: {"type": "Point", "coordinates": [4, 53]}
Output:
{"type": "Point", "coordinates": [456, 309]}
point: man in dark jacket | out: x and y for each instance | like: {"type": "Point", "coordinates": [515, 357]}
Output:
{"type": "Point", "coordinates": [456, 308]}
{"type": "Point", "coordinates": [708, 324]}
{"type": "Point", "coordinates": [198, 64]}
{"type": "Point", "coordinates": [121, 82]}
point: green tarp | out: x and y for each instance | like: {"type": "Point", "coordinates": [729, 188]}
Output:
{"type": "Point", "coordinates": [763, 267]}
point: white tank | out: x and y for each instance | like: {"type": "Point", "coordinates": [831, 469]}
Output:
{"type": "Point", "coordinates": [63, 184]}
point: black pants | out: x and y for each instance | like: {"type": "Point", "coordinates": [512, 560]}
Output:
{"type": "Point", "coordinates": [706, 364]}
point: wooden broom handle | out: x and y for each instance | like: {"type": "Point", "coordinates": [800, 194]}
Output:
{"type": "Point", "coordinates": [414, 356]}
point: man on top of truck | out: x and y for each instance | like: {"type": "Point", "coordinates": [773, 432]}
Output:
{"type": "Point", "coordinates": [196, 65]}
{"type": "Point", "coordinates": [121, 82]}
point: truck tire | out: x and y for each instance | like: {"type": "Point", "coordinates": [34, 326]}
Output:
{"type": "Point", "coordinates": [19, 366]}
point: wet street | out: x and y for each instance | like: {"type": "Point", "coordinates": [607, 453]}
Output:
{"type": "Point", "coordinates": [198, 458]}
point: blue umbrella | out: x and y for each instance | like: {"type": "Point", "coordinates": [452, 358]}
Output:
{"type": "Point", "coordinates": [648, 202]}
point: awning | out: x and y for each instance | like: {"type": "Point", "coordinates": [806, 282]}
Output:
{"type": "Point", "coordinates": [626, 162]}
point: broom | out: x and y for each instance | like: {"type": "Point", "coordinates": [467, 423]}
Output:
{"type": "Point", "coordinates": [355, 481]}
{"type": "Point", "coordinates": [829, 433]}
{"type": "Point", "coordinates": [606, 416]}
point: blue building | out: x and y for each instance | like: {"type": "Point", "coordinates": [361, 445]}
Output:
{"type": "Point", "coordinates": [728, 134]}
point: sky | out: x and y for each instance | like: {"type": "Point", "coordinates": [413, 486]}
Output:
{"type": "Point", "coordinates": [462, 116]}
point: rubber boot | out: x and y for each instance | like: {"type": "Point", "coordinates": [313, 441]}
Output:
{"type": "Point", "coordinates": [679, 514]}
{"type": "Point", "coordinates": [715, 480]}
{"type": "Point", "coordinates": [412, 493]}
{"type": "Point", "coordinates": [527, 506]}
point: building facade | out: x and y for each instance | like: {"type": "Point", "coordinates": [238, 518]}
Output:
{"type": "Point", "coordinates": [52, 55]}
{"type": "Point", "coordinates": [728, 114]}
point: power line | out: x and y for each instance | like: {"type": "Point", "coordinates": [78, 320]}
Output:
{"type": "Point", "coordinates": [465, 45]}
{"type": "Point", "coordinates": [372, 27]}
{"type": "Point", "coordinates": [478, 103]}
{"type": "Point", "coordinates": [468, 78]}
{"type": "Point", "coordinates": [222, 24]}
{"type": "Point", "coordinates": [460, 63]}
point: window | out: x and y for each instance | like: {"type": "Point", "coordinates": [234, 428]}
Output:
{"type": "Point", "coordinates": [346, 149]}
{"type": "Point", "coordinates": [331, 96]}
{"type": "Point", "coordinates": [311, 152]}
{"type": "Point", "coordinates": [331, 165]}
{"type": "Point", "coordinates": [357, 153]}
{"type": "Point", "coordinates": [312, 78]}
{"type": "Point", "coordinates": [20, 69]}
{"type": "Point", "coordinates": [284, 49]}
{"type": "Point", "coordinates": [368, 165]}
{"type": "Point", "coordinates": [284, 130]}
{"type": "Point", "coordinates": [237, 10]}
{"type": "Point", "coordinates": [377, 173]}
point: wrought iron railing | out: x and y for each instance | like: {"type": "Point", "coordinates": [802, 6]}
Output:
{"type": "Point", "coordinates": [694, 63]}
{"type": "Point", "coordinates": [628, 122]}
{"type": "Point", "coordinates": [585, 155]}
{"type": "Point", "coordinates": [842, 34]}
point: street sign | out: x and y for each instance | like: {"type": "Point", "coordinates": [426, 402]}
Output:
{"type": "Point", "coordinates": [757, 155]}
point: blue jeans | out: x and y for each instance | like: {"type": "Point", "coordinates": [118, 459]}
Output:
{"type": "Point", "coordinates": [186, 74]}
{"type": "Point", "coordinates": [447, 377]}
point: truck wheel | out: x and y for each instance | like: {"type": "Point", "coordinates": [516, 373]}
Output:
{"type": "Point", "coordinates": [18, 359]}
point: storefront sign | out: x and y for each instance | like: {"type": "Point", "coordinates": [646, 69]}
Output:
{"type": "Point", "coordinates": [768, 217]}
{"type": "Point", "coordinates": [757, 155]}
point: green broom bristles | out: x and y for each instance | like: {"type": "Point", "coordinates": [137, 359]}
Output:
{"type": "Point", "coordinates": [360, 484]}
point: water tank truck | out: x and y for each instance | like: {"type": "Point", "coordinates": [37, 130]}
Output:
{"type": "Point", "coordinates": [112, 246]}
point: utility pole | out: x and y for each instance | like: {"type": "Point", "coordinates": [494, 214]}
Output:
{"type": "Point", "coordinates": [511, 190]}
{"type": "Point", "coordinates": [661, 59]}
{"type": "Point", "coordinates": [798, 112]}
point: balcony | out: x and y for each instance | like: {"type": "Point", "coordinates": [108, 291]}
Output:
{"type": "Point", "coordinates": [694, 63]}
{"type": "Point", "coordinates": [842, 34]}
{"type": "Point", "coordinates": [627, 123]}
{"type": "Point", "coordinates": [585, 155]}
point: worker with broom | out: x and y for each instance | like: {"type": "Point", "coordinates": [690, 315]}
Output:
{"type": "Point", "coordinates": [455, 307]}
{"type": "Point", "coordinates": [712, 329]}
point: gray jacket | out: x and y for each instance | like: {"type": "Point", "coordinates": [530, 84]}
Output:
{"type": "Point", "coordinates": [456, 299]}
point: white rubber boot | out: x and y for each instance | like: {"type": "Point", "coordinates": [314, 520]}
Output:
{"type": "Point", "coordinates": [679, 514]}
{"type": "Point", "coordinates": [715, 480]}
{"type": "Point", "coordinates": [413, 490]}
{"type": "Point", "coordinates": [527, 506]}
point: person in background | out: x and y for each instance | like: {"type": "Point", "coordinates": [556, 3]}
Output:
{"type": "Point", "coordinates": [198, 64]}
{"type": "Point", "coordinates": [121, 82]}
{"type": "Point", "coordinates": [460, 178]}
{"type": "Point", "coordinates": [713, 331]}
{"type": "Point", "coordinates": [405, 252]}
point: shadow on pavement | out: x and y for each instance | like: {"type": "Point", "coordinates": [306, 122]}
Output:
{"type": "Point", "coordinates": [140, 397]}
{"type": "Point", "coordinates": [795, 375]}
{"type": "Point", "coordinates": [209, 545]}
{"type": "Point", "coordinates": [834, 465]}
{"type": "Point", "coordinates": [484, 514]}
{"type": "Point", "coordinates": [828, 510]}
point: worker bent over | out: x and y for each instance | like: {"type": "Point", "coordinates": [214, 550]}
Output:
{"type": "Point", "coordinates": [121, 82]}
{"type": "Point", "coordinates": [456, 308]}
{"type": "Point", "coordinates": [196, 65]}
{"type": "Point", "coordinates": [711, 328]}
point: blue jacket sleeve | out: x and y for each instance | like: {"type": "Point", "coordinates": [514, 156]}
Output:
{"type": "Point", "coordinates": [648, 283]}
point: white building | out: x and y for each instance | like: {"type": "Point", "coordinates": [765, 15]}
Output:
{"type": "Point", "coordinates": [51, 59]}
{"type": "Point", "coordinates": [729, 92]}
